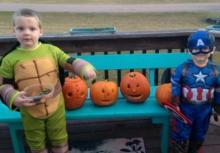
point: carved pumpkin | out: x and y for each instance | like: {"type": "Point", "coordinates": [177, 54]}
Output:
{"type": "Point", "coordinates": [75, 92]}
{"type": "Point", "coordinates": [135, 87]}
{"type": "Point", "coordinates": [104, 93]}
{"type": "Point", "coordinates": [164, 93]}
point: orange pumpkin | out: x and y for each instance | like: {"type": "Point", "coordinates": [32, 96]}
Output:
{"type": "Point", "coordinates": [104, 93]}
{"type": "Point", "coordinates": [75, 92]}
{"type": "Point", "coordinates": [135, 87]}
{"type": "Point", "coordinates": [164, 93]}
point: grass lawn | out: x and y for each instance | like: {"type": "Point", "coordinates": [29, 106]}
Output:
{"type": "Point", "coordinates": [109, 1]}
{"type": "Point", "coordinates": [124, 22]}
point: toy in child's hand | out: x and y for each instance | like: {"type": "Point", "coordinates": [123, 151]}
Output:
{"type": "Point", "coordinates": [164, 97]}
{"type": "Point", "coordinates": [177, 113]}
{"type": "Point", "coordinates": [39, 93]}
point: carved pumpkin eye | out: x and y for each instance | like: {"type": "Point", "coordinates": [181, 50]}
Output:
{"type": "Point", "coordinates": [82, 93]}
{"type": "Point", "coordinates": [69, 94]}
{"type": "Point", "coordinates": [129, 86]}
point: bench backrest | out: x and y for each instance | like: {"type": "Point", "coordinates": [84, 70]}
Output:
{"type": "Point", "coordinates": [149, 61]}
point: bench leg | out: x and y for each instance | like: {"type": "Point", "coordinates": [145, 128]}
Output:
{"type": "Point", "coordinates": [17, 139]}
{"type": "Point", "coordinates": [164, 144]}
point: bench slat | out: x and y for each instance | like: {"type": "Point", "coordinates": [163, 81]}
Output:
{"type": "Point", "coordinates": [138, 61]}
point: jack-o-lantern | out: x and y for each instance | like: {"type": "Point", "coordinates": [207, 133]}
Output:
{"type": "Point", "coordinates": [75, 92]}
{"type": "Point", "coordinates": [104, 93]}
{"type": "Point", "coordinates": [164, 93]}
{"type": "Point", "coordinates": [135, 87]}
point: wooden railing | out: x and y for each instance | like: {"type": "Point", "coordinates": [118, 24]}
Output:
{"type": "Point", "coordinates": [117, 43]}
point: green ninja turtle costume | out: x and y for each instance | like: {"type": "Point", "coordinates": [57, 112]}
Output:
{"type": "Point", "coordinates": [44, 121]}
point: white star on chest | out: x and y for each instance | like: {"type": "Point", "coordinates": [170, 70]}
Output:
{"type": "Point", "coordinates": [200, 77]}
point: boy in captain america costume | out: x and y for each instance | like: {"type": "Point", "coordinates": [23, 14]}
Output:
{"type": "Point", "coordinates": [195, 88]}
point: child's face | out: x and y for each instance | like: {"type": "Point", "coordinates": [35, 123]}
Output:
{"type": "Point", "coordinates": [201, 59]}
{"type": "Point", "coordinates": [27, 31]}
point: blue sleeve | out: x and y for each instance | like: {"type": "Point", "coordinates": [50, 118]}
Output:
{"type": "Point", "coordinates": [176, 81]}
{"type": "Point", "coordinates": [217, 89]}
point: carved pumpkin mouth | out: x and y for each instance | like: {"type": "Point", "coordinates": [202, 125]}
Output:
{"type": "Point", "coordinates": [137, 97]}
{"type": "Point", "coordinates": [106, 100]}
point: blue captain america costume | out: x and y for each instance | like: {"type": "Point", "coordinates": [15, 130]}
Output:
{"type": "Point", "coordinates": [197, 83]}
{"type": "Point", "coordinates": [195, 87]}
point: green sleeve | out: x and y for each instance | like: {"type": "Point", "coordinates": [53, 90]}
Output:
{"type": "Point", "coordinates": [6, 68]}
{"type": "Point", "coordinates": [61, 56]}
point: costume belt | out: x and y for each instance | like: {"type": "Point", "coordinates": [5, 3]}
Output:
{"type": "Point", "coordinates": [197, 95]}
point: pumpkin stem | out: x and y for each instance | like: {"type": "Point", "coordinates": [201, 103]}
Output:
{"type": "Point", "coordinates": [72, 75]}
{"type": "Point", "coordinates": [132, 75]}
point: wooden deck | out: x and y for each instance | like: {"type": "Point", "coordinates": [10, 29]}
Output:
{"type": "Point", "coordinates": [82, 131]}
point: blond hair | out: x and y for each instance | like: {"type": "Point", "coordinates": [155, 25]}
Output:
{"type": "Point", "coordinates": [27, 13]}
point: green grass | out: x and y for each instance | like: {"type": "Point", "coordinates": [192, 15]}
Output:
{"type": "Point", "coordinates": [109, 1]}
{"type": "Point", "coordinates": [124, 22]}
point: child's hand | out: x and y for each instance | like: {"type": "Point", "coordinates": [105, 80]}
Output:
{"type": "Point", "coordinates": [23, 100]}
{"type": "Point", "coordinates": [89, 74]}
{"type": "Point", "coordinates": [84, 69]}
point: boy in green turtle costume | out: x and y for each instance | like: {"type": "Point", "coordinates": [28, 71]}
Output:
{"type": "Point", "coordinates": [31, 67]}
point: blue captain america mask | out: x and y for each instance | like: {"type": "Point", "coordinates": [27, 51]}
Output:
{"type": "Point", "coordinates": [201, 42]}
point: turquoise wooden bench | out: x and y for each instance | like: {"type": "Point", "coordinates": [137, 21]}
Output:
{"type": "Point", "coordinates": [149, 109]}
